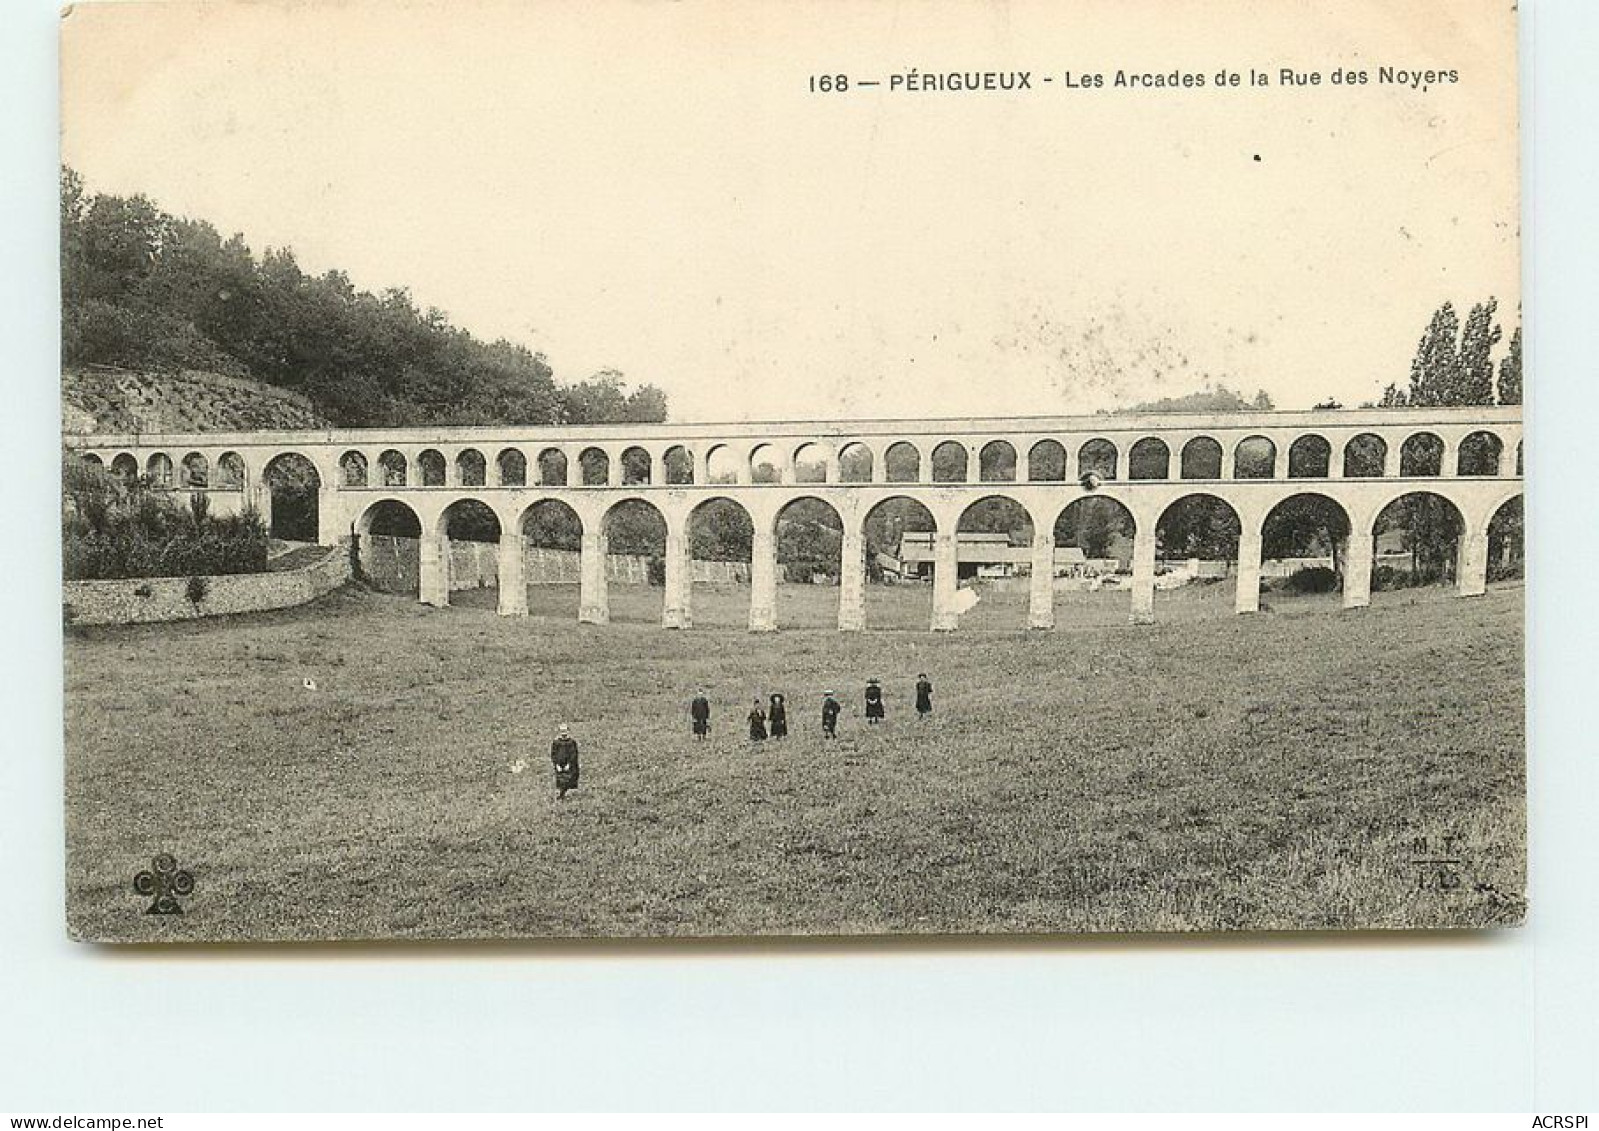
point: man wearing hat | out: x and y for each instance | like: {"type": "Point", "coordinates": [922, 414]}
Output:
{"type": "Point", "coordinates": [563, 752]}
{"type": "Point", "coordinates": [830, 709]}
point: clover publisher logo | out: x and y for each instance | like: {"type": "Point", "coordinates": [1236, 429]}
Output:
{"type": "Point", "coordinates": [164, 882]}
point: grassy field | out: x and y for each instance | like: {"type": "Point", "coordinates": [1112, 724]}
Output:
{"type": "Point", "coordinates": [1209, 772]}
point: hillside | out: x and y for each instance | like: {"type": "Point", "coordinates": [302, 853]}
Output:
{"type": "Point", "coordinates": [104, 399]}
{"type": "Point", "coordinates": [147, 291]}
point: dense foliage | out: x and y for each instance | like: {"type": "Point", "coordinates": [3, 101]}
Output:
{"type": "Point", "coordinates": [1453, 366]}
{"type": "Point", "coordinates": [112, 530]}
{"type": "Point", "coordinates": [147, 290]}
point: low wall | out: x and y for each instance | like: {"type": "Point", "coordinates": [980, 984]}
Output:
{"type": "Point", "coordinates": [147, 600]}
{"type": "Point", "coordinates": [392, 563]}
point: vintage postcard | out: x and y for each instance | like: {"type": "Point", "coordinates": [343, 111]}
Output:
{"type": "Point", "coordinates": [730, 469]}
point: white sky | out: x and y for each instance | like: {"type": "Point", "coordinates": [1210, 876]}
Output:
{"type": "Point", "coordinates": [651, 187]}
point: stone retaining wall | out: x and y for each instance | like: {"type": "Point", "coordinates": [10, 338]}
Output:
{"type": "Point", "coordinates": [146, 600]}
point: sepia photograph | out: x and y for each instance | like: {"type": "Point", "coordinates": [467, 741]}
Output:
{"type": "Point", "coordinates": [728, 470]}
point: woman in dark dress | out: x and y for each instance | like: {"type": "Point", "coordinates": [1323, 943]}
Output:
{"type": "Point", "coordinates": [777, 716]}
{"type": "Point", "coordinates": [563, 752]}
{"type": "Point", "coordinates": [874, 702]}
{"type": "Point", "coordinates": [757, 722]}
{"type": "Point", "coordinates": [924, 696]}
{"type": "Point", "coordinates": [830, 709]}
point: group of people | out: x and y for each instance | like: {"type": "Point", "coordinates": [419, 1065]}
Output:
{"type": "Point", "coordinates": [770, 720]}
{"type": "Point", "coordinates": [765, 721]}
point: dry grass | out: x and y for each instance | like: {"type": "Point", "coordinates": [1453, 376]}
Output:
{"type": "Point", "coordinates": [1210, 772]}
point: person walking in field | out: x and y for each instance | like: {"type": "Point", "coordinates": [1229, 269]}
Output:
{"type": "Point", "coordinates": [757, 722]}
{"type": "Point", "coordinates": [924, 696]}
{"type": "Point", "coordinates": [830, 709]}
{"type": "Point", "coordinates": [874, 702]}
{"type": "Point", "coordinates": [563, 752]}
{"type": "Point", "coordinates": [777, 716]}
{"type": "Point", "coordinates": [700, 712]}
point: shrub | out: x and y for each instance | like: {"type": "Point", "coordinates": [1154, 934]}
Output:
{"type": "Point", "coordinates": [1312, 579]}
{"type": "Point", "coordinates": [109, 530]}
{"type": "Point", "coordinates": [196, 589]}
{"type": "Point", "coordinates": [1385, 578]}
{"type": "Point", "coordinates": [1506, 571]}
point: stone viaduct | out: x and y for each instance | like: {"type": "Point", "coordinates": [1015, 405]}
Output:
{"type": "Point", "coordinates": [1362, 460]}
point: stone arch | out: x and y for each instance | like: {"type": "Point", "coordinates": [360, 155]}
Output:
{"type": "Point", "coordinates": [1101, 526]}
{"type": "Point", "coordinates": [1418, 534]}
{"type": "Point", "coordinates": [469, 520]}
{"type": "Point", "coordinates": [810, 463]}
{"type": "Point", "coordinates": [902, 462]}
{"type": "Point", "coordinates": [1296, 535]}
{"type": "Point", "coordinates": [766, 464]}
{"type": "Point", "coordinates": [293, 486]}
{"type": "Point", "coordinates": [1506, 534]}
{"type": "Point", "coordinates": [634, 542]}
{"type": "Point", "coordinates": [159, 469]}
{"type": "Point", "coordinates": [552, 537]}
{"type": "Point", "coordinates": [1046, 462]}
{"type": "Point", "coordinates": [1199, 527]}
{"type": "Point", "coordinates": [950, 462]}
{"type": "Point", "coordinates": [91, 459]}
{"type": "Point", "coordinates": [1421, 456]}
{"type": "Point", "coordinates": [511, 467]}
{"type": "Point", "coordinates": [126, 468]}
{"type": "Point", "coordinates": [391, 469]}
{"type": "Point", "coordinates": [1149, 458]}
{"type": "Point", "coordinates": [594, 467]}
{"type": "Point", "coordinates": [352, 469]}
{"type": "Point", "coordinates": [721, 465]}
{"type": "Point", "coordinates": [993, 554]}
{"type": "Point", "coordinates": [230, 470]}
{"type": "Point", "coordinates": [388, 535]}
{"type": "Point", "coordinates": [855, 463]}
{"type": "Point", "coordinates": [721, 533]}
{"type": "Point", "coordinates": [1201, 458]}
{"type": "Point", "coordinates": [1093, 537]}
{"type": "Point", "coordinates": [552, 468]}
{"type": "Point", "coordinates": [1365, 456]}
{"type": "Point", "coordinates": [431, 467]}
{"type": "Point", "coordinates": [1310, 457]}
{"type": "Point", "coordinates": [195, 470]}
{"type": "Point", "coordinates": [1098, 457]}
{"type": "Point", "coordinates": [551, 524]}
{"type": "Point", "coordinates": [1480, 454]}
{"type": "Point", "coordinates": [677, 465]}
{"type": "Point", "coordinates": [638, 468]}
{"type": "Point", "coordinates": [1255, 457]}
{"type": "Point", "coordinates": [471, 468]}
{"type": "Point", "coordinates": [899, 533]}
{"type": "Point", "coordinates": [808, 534]}
{"type": "Point", "coordinates": [996, 462]}
{"type": "Point", "coordinates": [468, 533]}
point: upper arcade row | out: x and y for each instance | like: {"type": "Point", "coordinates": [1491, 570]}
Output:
{"type": "Point", "coordinates": [1483, 451]}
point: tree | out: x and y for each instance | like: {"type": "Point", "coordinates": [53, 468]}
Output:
{"type": "Point", "coordinates": [1435, 370]}
{"type": "Point", "coordinates": [145, 290]}
{"type": "Point", "coordinates": [1306, 526]}
{"type": "Point", "coordinates": [1199, 526]}
{"type": "Point", "coordinates": [1510, 371]}
{"type": "Point", "coordinates": [1453, 366]}
{"type": "Point", "coordinates": [1477, 340]}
